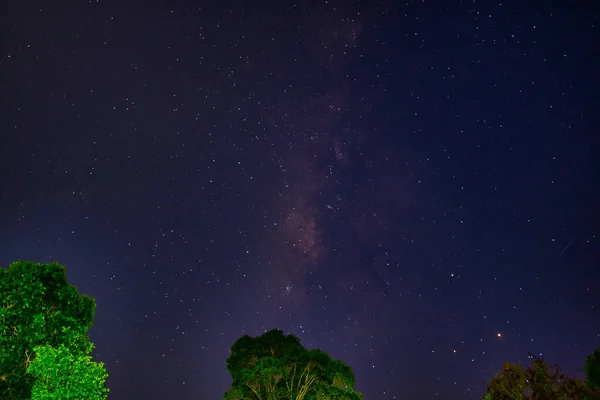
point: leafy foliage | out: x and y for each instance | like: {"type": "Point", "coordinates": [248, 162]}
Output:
{"type": "Point", "coordinates": [592, 370]}
{"type": "Point", "coordinates": [62, 375]}
{"type": "Point", "coordinates": [537, 381]}
{"type": "Point", "coordinates": [41, 312]}
{"type": "Point", "coordinates": [275, 366]}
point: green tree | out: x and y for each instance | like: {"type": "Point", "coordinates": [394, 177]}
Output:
{"type": "Point", "coordinates": [592, 370]}
{"type": "Point", "coordinates": [276, 366]}
{"type": "Point", "coordinates": [62, 375]}
{"type": "Point", "coordinates": [43, 318]}
{"type": "Point", "coordinates": [537, 381]}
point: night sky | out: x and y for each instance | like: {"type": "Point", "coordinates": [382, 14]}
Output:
{"type": "Point", "coordinates": [410, 188]}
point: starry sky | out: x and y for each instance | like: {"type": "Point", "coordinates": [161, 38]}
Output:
{"type": "Point", "coordinates": [411, 188]}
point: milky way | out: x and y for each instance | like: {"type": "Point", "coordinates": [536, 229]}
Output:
{"type": "Point", "coordinates": [411, 188]}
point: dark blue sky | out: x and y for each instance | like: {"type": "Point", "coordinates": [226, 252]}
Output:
{"type": "Point", "coordinates": [395, 184]}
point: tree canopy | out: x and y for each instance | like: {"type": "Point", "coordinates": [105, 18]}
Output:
{"type": "Point", "coordinates": [592, 370]}
{"type": "Point", "coordinates": [44, 344]}
{"type": "Point", "coordinates": [540, 381]}
{"type": "Point", "coordinates": [44, 354]}
{"type": "Point", "coordinates": [276, 366]}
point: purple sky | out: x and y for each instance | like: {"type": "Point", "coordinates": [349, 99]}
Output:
{"type": "Point", "coordinates": [395, 184]}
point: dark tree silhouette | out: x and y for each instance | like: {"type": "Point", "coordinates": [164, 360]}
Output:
{"type": "Point", "coordinates": [539, 381]}
{"type": "Point", "coordinates": [592, 370]}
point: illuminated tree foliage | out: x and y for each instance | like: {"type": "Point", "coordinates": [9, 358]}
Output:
{"type": "Point", "coordinates": [538, 381]}
{"type": "Point", "coordinates": [276, 366]}
{"type": "Point", "coordinates": [62, 375]}
{"type": "Point", "coordinates": [44, 345]}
